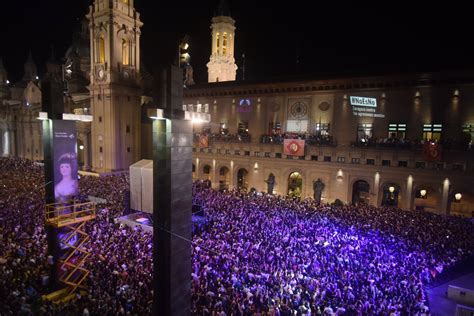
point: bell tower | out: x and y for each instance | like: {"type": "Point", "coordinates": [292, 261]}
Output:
{"type": "Point", "coordinates": [221, 66]}
{"type": "Point", "coordinates": [115, 84]}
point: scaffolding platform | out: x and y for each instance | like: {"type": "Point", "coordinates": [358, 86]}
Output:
{"type": "Point", "coordinates": [70, 217]}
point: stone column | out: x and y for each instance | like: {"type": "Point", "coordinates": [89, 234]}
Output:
{"type": "Point", "coordinates": [445, 197]}
{"type": "Point", "coordinates": [408, 194]}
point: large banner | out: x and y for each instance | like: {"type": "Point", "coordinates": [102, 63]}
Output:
{"type": "Point", "coordinates": [293, 147]}
{"type": "Point", "coordinates": [432, 151]}
{"type": "Point", "coordinates": [65, 160]}
{"type": "Point", "coordinates": [203, 141]}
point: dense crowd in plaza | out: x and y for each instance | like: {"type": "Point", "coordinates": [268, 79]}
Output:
{"type": "Point", "coordinates": [258, 254]}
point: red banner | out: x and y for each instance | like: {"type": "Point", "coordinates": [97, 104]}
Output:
{"type": "Point", "coordinates": [293, 147]}
{"type": "Point", "coordinates": [203, 141]}
{"type": "Point", "coordinates": [432, 151]}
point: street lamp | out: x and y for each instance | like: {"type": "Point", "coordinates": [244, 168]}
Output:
{"type": "Point", "coordinates": [458, 197]}
{"type": "Point", "coordinates": [423, 193]}
{"type": "Point", "coordinates": [391, 189]}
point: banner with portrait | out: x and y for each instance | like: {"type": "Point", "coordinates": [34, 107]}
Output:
{"type": "Point", "coordinates": [293, 147]}
{"type": "Point", "coordinates": [203, 141]}
{"type": "Point", "coordinates": [65, 160]}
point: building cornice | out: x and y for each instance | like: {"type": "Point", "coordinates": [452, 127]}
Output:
{"type": "Point", "coordinates": [235, 88]}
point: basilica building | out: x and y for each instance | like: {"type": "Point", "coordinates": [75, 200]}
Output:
{"type": "Point", "coordinates": [398, 140]}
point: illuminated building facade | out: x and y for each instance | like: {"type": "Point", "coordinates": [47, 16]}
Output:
{"type": "Point", "coordinates": [400, 140]}
{"type": "Point", "coordinates": [394, 140]}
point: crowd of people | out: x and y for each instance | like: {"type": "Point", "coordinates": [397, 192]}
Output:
{"type": "Point", "coordinates": [269, 255]}
{"type": "Point", "coordinates": [257, 254]}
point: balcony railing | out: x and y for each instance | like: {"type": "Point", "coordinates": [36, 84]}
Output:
{"type": "Point", "coordinates": [312, 140]}
{"type": "Point", "coordinates": [226, 138]}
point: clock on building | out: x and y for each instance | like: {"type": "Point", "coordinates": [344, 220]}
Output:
{"type": "Point", "coordinates": [299, 110]}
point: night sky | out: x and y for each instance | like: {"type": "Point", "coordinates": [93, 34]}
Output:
{"type": "Point", "coordinates": [279, 40]}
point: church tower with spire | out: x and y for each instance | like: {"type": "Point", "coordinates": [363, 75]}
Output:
{"type": "Point", "coordinates": [221, 66]}
{"type": "Point", "coordinates": [115, 84]}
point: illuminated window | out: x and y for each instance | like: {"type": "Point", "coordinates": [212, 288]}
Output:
{"type": "Point", "coordinates": [322, 128]}
{"type": "Point", "coordinates": [468, 129]}
{"type": "Point", "coordinates": [432, 131]}
{"type": "Point", "coordinates": [217, 42]}
{"type": "Point", "coordinates": [396, 130]}
{"type": "Point", "coordinates": [364, 132]}
{"type": "Point", "coordinates": [224, 44]}
{"type": "Point", "coordinates": [101, 49]}
{"type": "Point", "coordinates": [125, 53]}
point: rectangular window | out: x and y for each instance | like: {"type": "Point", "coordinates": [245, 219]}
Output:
{"type": "Point", "coordinates": [218, 150]}
{"type": "Point", "coordinates": [243, 128]}
{"type": "Point", "coordinates": [402, 163]}
{"type": "Point", "coordinates": [322, 128]}
{"type": "Point", "coordinates": [301, 157]}
{"type": "Point", "coordinates": [209, 150]}
{"type": "Point", "coordinates": [100, 119]}
{"type": "Point", "coordinates": [227, 151]}
{"type": "Point", "coordinates": [100, 149]}
{"type": "Point", "coordinates": [386, 163]}
{"type": "Point", "coordinates": [267, 155]}
{"type": "Point", "coordinates": [256, 153]}
{"type": "Point", "coordinates": [194, 149]}
{"type": "Point", "coordinates": [224, 129]}
{"type": "Point", "coordinates": [371, 162]}
{"type": "Point", "coordinates": [420, 165]}
{"type": "Point", "coordinates": [246, 153]}
{"type": "Point", "coordinates": [201, 150]}
{"type": "Point", "coordinates": [396, 130]}
{"type": "Point", "coordinates": [327, 158]}
{"type": "Point", "coordinates": [439, 166]}
{"type": "Point", "coordinates": [314, 158]}
{"type": "Point", "coordinates": [341, 159]}
{"type": "Point", "coordinates": [277, 155]}
{"type": "Point", "coordinates": [364, 132]}
{"type": "Point", "coordinates": [128, 149]}
{"type": "Point", "coordinates": [355, 160]}
{"type": "Point", "coordinates": [432, 131]}
{"type": "Point", "coordinates": [128, 129]}
{"type": "Point", "coordinates": [237, 152]}
{"type": "Point", "coordinates": [274, 128]}
{"type": "Point", "coordinates": [469, 129]}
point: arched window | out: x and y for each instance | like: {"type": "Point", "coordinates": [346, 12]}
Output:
{"type": "Point", "coordinates": [224, 44]}
{"type": "Point", "coordinates": [125, 52]}
{"type": "Point", "coordinates": [102, 49]}
{"type": "Point", "coordinates": [217, 42]}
